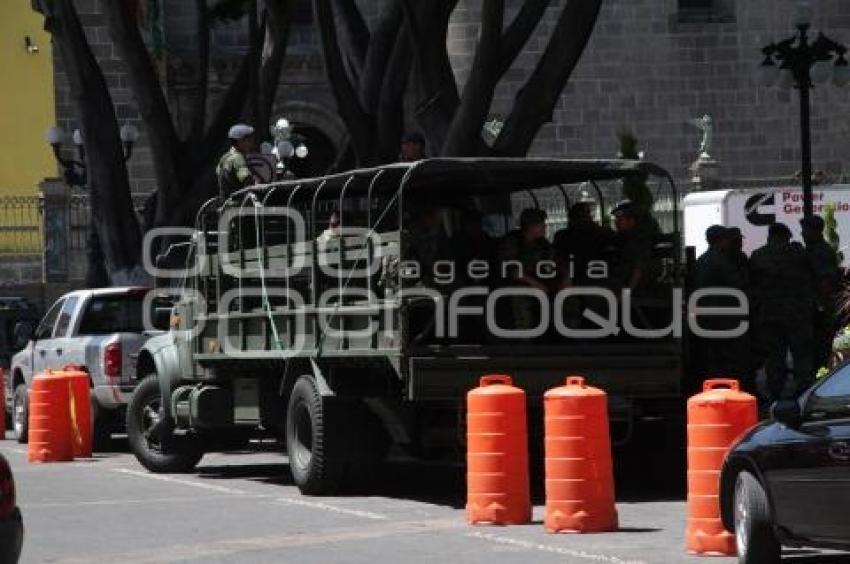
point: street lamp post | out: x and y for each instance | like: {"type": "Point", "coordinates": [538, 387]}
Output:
{"type": "Point", "coordinates": [806, 62]}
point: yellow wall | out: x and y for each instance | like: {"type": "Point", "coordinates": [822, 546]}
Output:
{"type": "Point", "coordinates": [27, 105]}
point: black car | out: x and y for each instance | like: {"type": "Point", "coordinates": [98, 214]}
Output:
{"type": "Point", "coordinates": [787, 480]}
{"type": "Point", "coordinates": [11, 526]}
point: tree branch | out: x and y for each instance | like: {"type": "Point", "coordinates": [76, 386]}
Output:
{"type": "Point", "coordinates": [359, 124]}
{"type": "Point", "coordinates": [434, 83]}
{"type": "Point", "coordinates": [465, 128]}
{"type": "Point", "coordinates": [519, 31]}
{"type": "Point", "coordinates": [390, 108]}
{"type": "Point", "coordinates": [112, 206]}
{"type": "Point", "coordinates": [150, 99]}
{"type": "Point", "coordinates": [355, 33]}
{"type": "Point", "coordinates": [196, 131]}
{"type": "Point", "coordinates": [229, 111]}
{"type": "Point", "coordinates": [536, 100]}
{"type": "Point", "coordinates": [279, 17]}
{"type": "Point", "coordinates": [378, 55]}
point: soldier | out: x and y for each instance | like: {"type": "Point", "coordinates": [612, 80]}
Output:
{"type": "Point", "coordinates": [738, 256]}
{"type": "Point", "coordinates": [717, 268]}
{"type": "Point", "coordinates": [582, 241]}
{"type": "Point", "coordinates": [781, 276]}
{"type": "Point", "coordinates": [824, 261]}
{"type": "Point", "coordinates": [529, 247]}
{"type": "Point", "coordinates": [631, 265]}
{"type": "Point", "coordinates": [232, 171]}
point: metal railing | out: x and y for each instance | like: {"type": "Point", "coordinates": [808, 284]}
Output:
{"type": "Point", "coordinates": [20, 225]}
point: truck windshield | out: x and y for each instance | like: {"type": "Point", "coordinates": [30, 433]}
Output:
{"type": "Point", "coordinates": [118, 313]}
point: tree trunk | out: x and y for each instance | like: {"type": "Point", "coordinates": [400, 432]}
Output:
{"type": "Point", "coordinates": [112, 206]}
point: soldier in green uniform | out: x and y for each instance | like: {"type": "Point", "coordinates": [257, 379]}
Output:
{"type": "Point", "coordinates": [528, 247]}
{"type": "Point", "coordinates": [718, 268]}
{"type": "Point", "coordinates": [824, 261]}
{"type": "Point", "coordinates": [232, 171]}
{"type": "Point", "coordinates": [782, 280]}
{"type": "Point", "coordinates": [631, 266]}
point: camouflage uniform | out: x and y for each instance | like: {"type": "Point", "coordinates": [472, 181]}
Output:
{"type": "Point", "coordinates": [825, 267]}
{"type": "Point", "coordinates": [525, 310]}
{"type": "Point", "coordinates": [726, 357]}
{"type": "Point", "coordinates": [233, 173]}
{"type": "Point", "coordinates": [784, 302]}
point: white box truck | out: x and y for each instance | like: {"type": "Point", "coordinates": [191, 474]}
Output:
{"type": "Point", "coordinates": [753, 210]}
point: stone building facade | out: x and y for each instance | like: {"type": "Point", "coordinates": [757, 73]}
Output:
{"type": "Point", "coordinates": [650, 66]}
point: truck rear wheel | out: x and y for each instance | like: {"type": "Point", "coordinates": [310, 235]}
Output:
{"type": "Point", "coordinates": [145, 434]}
{"type": "Point", "coordinates": [314, 470]}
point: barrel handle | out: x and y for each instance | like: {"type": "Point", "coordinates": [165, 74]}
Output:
{"type": "Point", "coordinates": [496, 379]}
{"type": "Point", "coordinates": [575, 381]}
{"type": "Point", "coordinates": [721, 383]}
{"type": "Point", "coordinates": [72, 368]}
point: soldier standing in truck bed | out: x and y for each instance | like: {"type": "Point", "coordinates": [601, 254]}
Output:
{"type": "Point", "coordinates": [232, 171]}
{"type": "Point", "coordinates": [782, 281]}
{"type": "Point", "coordinates": [631, 266]}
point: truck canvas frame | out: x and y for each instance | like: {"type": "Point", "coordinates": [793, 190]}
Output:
{"type": "Point", "coordinates": [308, 310]}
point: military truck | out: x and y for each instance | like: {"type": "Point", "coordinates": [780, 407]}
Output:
{"type": "Point", "coordinates": [320, 311]}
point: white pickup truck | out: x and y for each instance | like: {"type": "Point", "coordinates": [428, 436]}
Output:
{"type": "Point", "coordinates": [100, 330]}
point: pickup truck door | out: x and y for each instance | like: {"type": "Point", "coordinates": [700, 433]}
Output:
{"type": "Point", "coordinates": [60, 355]}
{"type": "Point", "coordinates": [43, 344]}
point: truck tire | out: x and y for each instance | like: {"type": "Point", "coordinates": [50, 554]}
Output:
{"type": "Point", "coordinates": [143, 412]}
{"type": "Point", "coordinates": [754, 535]}
{"type": "Point", "coordinates": [20, 414]}
{"type": "Point", "coordinates": [314, 470]}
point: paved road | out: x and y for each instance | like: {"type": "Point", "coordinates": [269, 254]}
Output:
{"type": "Point", "coordinates": [243, 508]}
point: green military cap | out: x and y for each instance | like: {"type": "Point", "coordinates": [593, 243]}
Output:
{"type": "Point", "coordinates": [240, 131]}
{"type": "Point", "coordinates": [625, 208]}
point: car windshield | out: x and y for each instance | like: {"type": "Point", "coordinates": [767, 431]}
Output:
{"type": "Point", "coordinates": [118, 313]}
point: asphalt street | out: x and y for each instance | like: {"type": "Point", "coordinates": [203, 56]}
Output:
{"type": "Point", "coordinates": [242, 507]}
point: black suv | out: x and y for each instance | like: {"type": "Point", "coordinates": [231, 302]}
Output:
{"type": "Point", "coordinates": [787, 481]}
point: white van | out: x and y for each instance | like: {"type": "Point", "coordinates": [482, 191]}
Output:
{"type": "Point", "coordinates": [753, 210]}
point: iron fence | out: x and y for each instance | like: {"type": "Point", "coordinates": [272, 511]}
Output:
{"type": "Point", "coordinates": [20, 225]}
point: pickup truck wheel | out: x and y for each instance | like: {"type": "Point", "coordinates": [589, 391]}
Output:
{"type": "Point", "coordinates": [307, 433]}
{"type": "Point", "coordinates": [20, 414]}
{"type": "Point", "coordinates": [144, 436]}
{"type": "Point", "coordinates": [754, 535]}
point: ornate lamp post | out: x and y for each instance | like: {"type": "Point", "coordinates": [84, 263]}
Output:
{"type": "Point", "coordinates": [74, 170]}
{"type": "Point", "coordinates": [806, 62]}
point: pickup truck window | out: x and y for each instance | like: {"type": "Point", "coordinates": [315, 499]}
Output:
{"type": "Point", "coordinates": [105, 315]}
{"type": "Point", "coordinates": [65, 317]}
{"type": "Point", "coordinates": [45, 328]}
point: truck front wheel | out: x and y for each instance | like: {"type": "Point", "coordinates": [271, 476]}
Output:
{"type": "Point", "coordinates": [145, 433]}
{"type": "Point", "coordinates": [314, 470]}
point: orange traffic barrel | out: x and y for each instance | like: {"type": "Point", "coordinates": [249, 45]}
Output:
{"type": "Point", "coordinates": [579, 471]}
{"type": "Point", "coordinates": [497, 480]}
{"type": "Point", "coordinates": [80, 411]}
{"type": "Point", "coordinates": [49, 419]}
{"type": "Point", "coordinates": [716, 417]}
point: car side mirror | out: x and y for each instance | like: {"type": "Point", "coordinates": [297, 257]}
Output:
{"type": "Point", "coordinates": [24, 332]}
{"type": "Point", "coordinates": [787, 412]}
